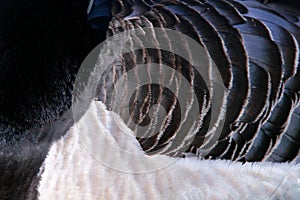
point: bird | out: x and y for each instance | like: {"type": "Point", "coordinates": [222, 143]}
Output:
{"type": "Point", "coordinates": [254, 47]}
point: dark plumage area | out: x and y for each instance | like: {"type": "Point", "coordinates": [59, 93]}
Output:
{"type": "Point", "coordinates": [42, 44]}
{"type": "Point", "coordinates": [254, 44]}
{"type": "Point", "coordinates": [292, 3]}
{"type": "Point", "coordinates": [255, 47]}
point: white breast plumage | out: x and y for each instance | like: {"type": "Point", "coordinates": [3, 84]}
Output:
{"type": "Point", "coordinates": [87, 164]}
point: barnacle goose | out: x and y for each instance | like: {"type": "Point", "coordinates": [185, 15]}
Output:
{"type": "Point", "coordinates": [254, 46]}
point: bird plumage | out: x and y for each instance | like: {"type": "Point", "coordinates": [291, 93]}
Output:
{"type": "Point", "coordinates": [254, 46]}
{"type": "Point", "coordinates": [100, 158]}
{"type": "Point", "coordinates": [256, 49]}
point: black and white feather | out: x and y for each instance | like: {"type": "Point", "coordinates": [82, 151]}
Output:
{"type": "Point", "coordinates": [255, 47]}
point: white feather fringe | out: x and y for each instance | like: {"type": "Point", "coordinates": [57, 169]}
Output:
{"type": "Point", "coordinates": [89, 166]}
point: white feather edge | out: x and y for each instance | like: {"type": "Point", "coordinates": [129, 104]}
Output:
{"type": "Point", "coordinates": [90, 6]}
{"type": "Point", "coordinates": [73, 171]}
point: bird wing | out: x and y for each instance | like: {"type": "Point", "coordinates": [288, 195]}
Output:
{"type": "Point", "coordinates": [255, 48]}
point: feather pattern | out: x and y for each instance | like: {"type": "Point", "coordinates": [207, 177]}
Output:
{"type": "Point", "coordinates": [255, 47]}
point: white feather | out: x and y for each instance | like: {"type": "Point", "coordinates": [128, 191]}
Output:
{"type": "Point", "coordinates": [95, 158]}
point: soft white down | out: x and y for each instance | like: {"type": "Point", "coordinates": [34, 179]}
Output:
{"type": "Point", "coordinates": [99, 158]}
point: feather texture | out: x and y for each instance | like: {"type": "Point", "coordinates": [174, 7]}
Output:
{"type": "Point", "coordinates": [110, 164]}
{"type": "Point", "coordinates": [255, 47]}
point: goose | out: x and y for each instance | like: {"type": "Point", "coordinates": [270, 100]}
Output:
{"type": "Point", "coordinates": [49, 151]}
